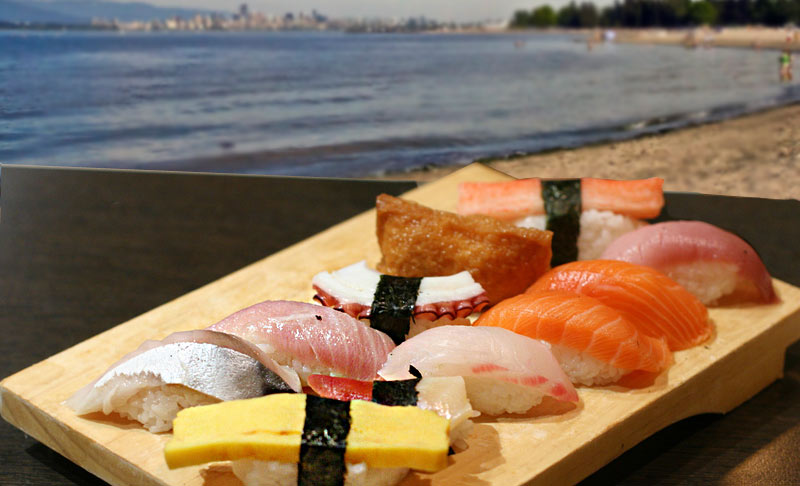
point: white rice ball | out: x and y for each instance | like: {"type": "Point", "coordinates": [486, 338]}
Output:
{"type": "Point", "coordinates": [586, 370]}
{"type": "Point", "coordinates": [156, 407]}
{"type": "Point", "coordinates": [494, 397]}
{"type": "Point", "coordinates": [708, 281]}
{"type": "Point", "coordinates": [598, 230]}
{"type": "Point", "coordinates": [272, 473]}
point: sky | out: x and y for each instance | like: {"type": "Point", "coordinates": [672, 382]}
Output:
{"type": "Point", "coordinates": [444, 10]}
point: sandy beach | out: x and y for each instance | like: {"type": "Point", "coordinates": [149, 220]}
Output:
{"type": "Point", "coordinates": [755, 155]}
{"type": "Point", "coordinates": [754, 37]}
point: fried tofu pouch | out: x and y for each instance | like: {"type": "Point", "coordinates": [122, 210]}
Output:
{"type": "Point", "coordinates": [417, 241]}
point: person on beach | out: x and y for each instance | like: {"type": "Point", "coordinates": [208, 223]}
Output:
{"type": "Point", "coordinates": [785, 61]}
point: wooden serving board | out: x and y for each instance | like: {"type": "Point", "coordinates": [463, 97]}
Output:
{"type": "Point", "coordinates": [745, 355]}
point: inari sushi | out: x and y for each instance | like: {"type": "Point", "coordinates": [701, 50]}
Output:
{"type": "Point", "coordinates": [585, 215]}
{"type": "Point", "coordinates": [653, 302]}
{"type": "Point", "coordinates": [711, 263]}
{"type": "Point", "coordinates": [417, 241]}
{"type": "Point", "coordinates": [594, 344]}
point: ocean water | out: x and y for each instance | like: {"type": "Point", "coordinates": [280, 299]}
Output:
{"type": "Point", "coordinates": [333, 104]}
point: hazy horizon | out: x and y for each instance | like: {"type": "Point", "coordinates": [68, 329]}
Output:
{"type": "Point", "coordinates": [443, 10]}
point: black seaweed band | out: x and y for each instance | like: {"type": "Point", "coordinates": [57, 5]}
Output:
{"type": "Point", "coordinates": [393, 306]}
{"type": "Point", "coordinates": [323, 442]}
{"type": "Point", "coordinates": [402, 392]}
{"type": "Point", "coordinates": [562, 203]}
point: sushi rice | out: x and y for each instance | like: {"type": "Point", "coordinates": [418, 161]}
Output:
{"type": "Point", "coordinates": [156, 406]}
{"type": "Point", "coordinates": [708, 281]}
{"type": "Point", "coordinates": [598, 230]}
{"type": "Point", "coordinates": [586, 370]}
{"type": "Point", "coordinates": [252, 472]}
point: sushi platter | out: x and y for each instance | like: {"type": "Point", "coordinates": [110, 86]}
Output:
{"type": "Point", "coordinates": [543, 446]}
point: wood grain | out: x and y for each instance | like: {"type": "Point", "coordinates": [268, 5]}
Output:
{"type": "Point", "coordinates": [745, 355]}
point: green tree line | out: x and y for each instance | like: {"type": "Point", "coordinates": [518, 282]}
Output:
{"type": "Point", "coordinates": [662, 13]}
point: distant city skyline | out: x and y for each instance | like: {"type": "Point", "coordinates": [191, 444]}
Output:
{"type": "Point", "coordinates": [444, 10]}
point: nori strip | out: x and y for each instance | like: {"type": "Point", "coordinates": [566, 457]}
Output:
{"type": "Point", "coordinates": [401, 392]}
{"type": "Point", "coordinates": [323, 442]}
{"type": "Point", "coordinates": [562, 203]}
{"type": "Point", "coordinates": [393, 305]}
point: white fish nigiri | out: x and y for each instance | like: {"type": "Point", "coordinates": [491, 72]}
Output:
{"type": "Point", "coordinates": [708, 261]}
{"type": "Point", "coordinates": [154, 382]}
{"type": "Point", "coordinates": [311, 338]}
{"type": "Point", "coordinates": [503, 371]}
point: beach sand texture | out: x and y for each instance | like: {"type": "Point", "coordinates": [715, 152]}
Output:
{"type": "Point", "coordinates": [753, 37]}
{"type": "Point", "coordinates": [756, 155]}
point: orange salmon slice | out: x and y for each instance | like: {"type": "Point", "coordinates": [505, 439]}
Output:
{"type": "Point", "coordinates": [653, 302]}
{"type": "Point", "coordinates": [581, 323]}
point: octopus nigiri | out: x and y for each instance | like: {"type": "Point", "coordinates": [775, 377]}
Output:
{"type": "Point", "coordinates": [401, 307]}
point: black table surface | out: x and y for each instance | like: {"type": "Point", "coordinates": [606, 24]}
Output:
{"type": "Point", "coordinates": [84, 250]}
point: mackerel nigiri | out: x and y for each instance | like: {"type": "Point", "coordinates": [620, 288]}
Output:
{"type": "Point", "coordinates": [503, 371]}
{"type": "Point", "coordinates": [585, 215]}
{"type": "Point", "coordinates": [311, 338]}
{"type": "Point", "coordinates": [154, 382]}
{"type": "Point", "coordinates": [594, 344]}
{"type": "Point", "coordinates": [653, 302]}
{"type": "Point", "coordinates": [711, 263]}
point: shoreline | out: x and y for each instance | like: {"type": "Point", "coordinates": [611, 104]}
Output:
{"type": "Point", "coordinates": [741, 37]}
{"type": "Point", "coordinates": [753, 155]}
{"type": "Point", "coordinates": [752, 37]}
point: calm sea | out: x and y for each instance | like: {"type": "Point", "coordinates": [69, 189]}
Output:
{"type": "Point", "coordinates": [331, 104]}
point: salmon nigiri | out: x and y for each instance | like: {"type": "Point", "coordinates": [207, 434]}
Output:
{"type": "Point", "coordinates": [653, 302]}
{"type": "Point", "coordinates": [594, 343]}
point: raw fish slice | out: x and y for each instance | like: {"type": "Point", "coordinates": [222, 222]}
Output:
{"type": "Point", "coordinates": [503, 371]}
{"type": "Point", "coordinates": [723, 263]}
{"type": "Point", "coordinates": [583, 325]}
{"type": "Point", "coordinates": [640, 199]}
{"type": "Point", "coordinates": [311, 338]}
{"type": "Point", "coordinates": [191, 368]}
{"type": "Point", "coordinates": [650, 300]}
